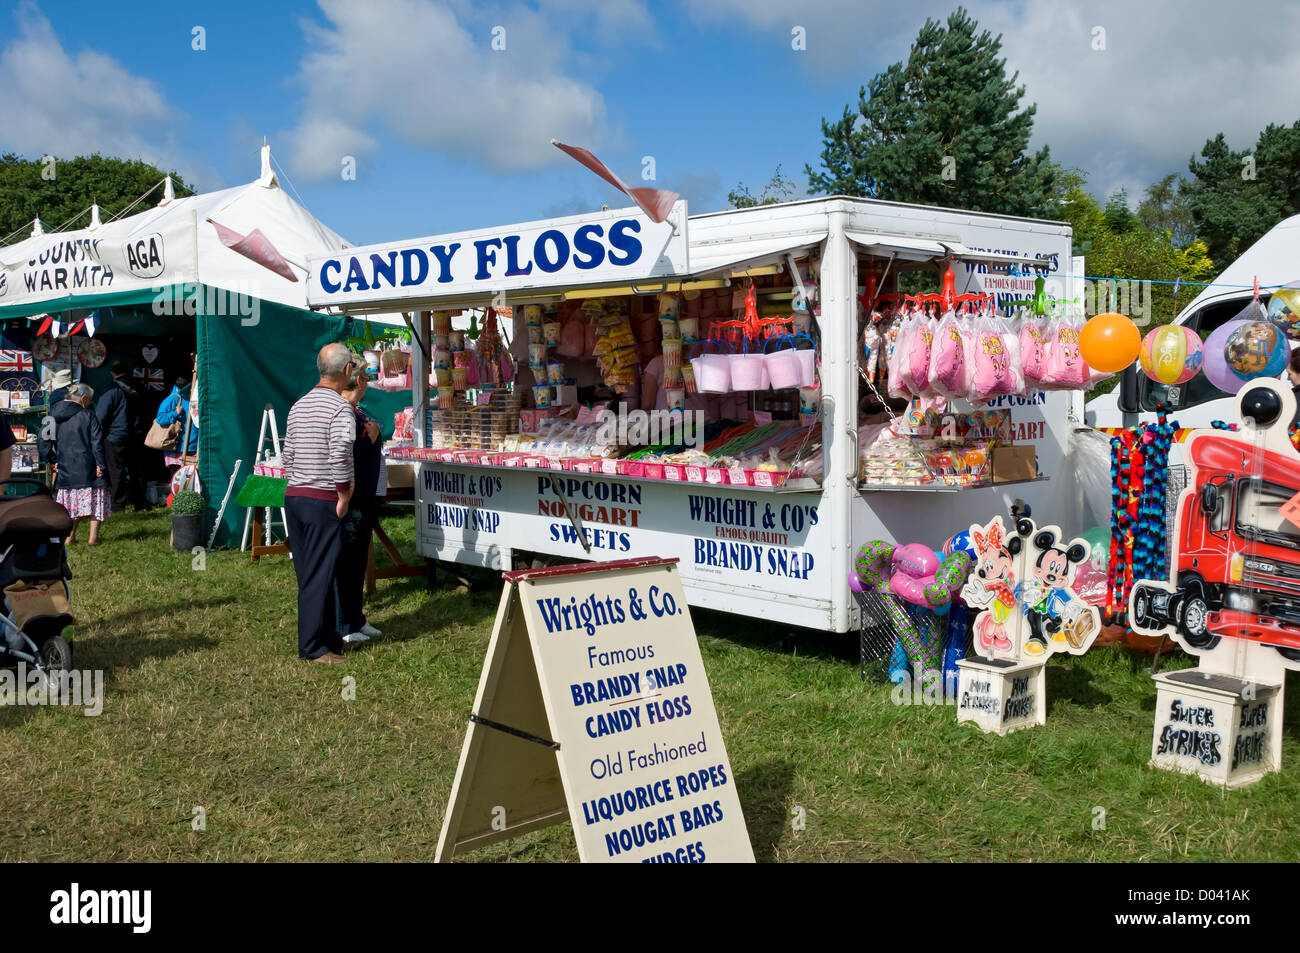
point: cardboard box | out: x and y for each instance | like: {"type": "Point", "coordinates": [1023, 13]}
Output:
{"type": "Point", "coordinates": [1015, 463]}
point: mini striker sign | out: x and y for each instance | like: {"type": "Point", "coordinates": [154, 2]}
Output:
{"type": "Point", "coordinates": [593, 704]}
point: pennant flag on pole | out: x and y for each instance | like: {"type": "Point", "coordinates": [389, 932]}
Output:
{"type": "Point", "coordinates": [656, 203]}
{"type": "Point", "coordinates": [256, 247]}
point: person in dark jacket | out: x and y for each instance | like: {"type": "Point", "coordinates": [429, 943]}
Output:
{"type": "Point", "coordinates": [118, 411]}
{"type": "Point", "coordinates": [359, 524]}
{"type": "Point", "coordinates": [77, 452]}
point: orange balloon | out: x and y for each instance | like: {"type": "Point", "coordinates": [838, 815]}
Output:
{"type": "Point", "coordinates": [1110, 342]}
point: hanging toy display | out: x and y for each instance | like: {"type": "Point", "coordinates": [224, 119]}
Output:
{"type": "Point", "coordinates": [1284, 310]}
{"type": "Point", "coordinates": [1139, 474]}
{"type": "Point", "coordinates": [489, 350]}
{"type": "Point", "coordinates": [1110, 342]}
{"type": "Point", "coordinates": [926, 582]}
{"type": "Point", "coordinates": [1256, 349]}
{"type": "Point", "coordinates": [1171, 354]}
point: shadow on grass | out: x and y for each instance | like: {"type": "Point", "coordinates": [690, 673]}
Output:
{"type": "Point", "coordinates": [764, 790]}
{"type": "Point", "coordinates": [775, 637]}
{"type": "Point", "coordinates": [1070, 683]}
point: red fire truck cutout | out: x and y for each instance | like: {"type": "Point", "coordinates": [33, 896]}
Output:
{"type": "Point", "coordinates": [1235, 564]}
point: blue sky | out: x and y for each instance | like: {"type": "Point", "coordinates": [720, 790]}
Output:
{"type": "Point", "coordinates": [448, 133]}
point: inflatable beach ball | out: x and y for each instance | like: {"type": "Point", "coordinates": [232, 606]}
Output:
{"type": "Point", "coordinates": [1171, 354]}
{"type": "Point", "coordinates": [1256, 349]}
{"type": "Point", "coordinates": [1284, 310]}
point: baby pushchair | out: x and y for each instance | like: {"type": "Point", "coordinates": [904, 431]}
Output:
{"type": "Point", "coordinates": [35, 600]}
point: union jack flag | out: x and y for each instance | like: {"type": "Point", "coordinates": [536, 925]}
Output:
{"type": "Point", "coordinates": [150, 377]}
{"type": "Point", "coordinates": [16, 361]}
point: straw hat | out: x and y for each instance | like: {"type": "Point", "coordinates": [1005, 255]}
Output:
{"type": "Point", "coordinates": [61, 378]}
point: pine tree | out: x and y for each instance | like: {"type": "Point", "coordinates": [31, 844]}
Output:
{"type": "Point", "coordinates": [1235, 197]}
{"type": "Point", "coordinates": [944, 129]}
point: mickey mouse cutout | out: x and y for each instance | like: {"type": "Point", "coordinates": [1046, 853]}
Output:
{"type": "Point", "coordinates": [1233, 593]}
{"type": "Point", "coordinates": [1024, 585]}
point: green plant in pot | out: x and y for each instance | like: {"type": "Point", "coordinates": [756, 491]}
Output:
{"type": "Point", "coordinates": [187, 520]}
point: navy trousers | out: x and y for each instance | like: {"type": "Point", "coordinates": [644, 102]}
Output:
{"type": "Point", "coordinates": [350, 576]}
{"type": "Point", "coordinates": [316, 536]}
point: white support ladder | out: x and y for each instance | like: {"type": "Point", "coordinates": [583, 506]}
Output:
{"type": "Point", "coordinates": [270, 456]}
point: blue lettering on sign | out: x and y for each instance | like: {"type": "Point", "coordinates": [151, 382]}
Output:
{"type": "Point", "coordinates": [596, 538]}
{"type": "Point", "coordinates": [585, 244]}
{"type": "Point", "coordinates": [750, 557]}
{"type": "Point", "coordinates": [443, 253]}
{"type": "Point", "coordinates": [620, 239]}
{"type": "Point", "coordinates": [463, 517]}
{"type": "Point", "coordinates": [328, 285]}
{"type": "Point", "coordinates": [542, 254]}
{"type": "Point", "coordinates": [415, 265]}
{"type": "Point", "coordinates": [512, 258]}
{"type": "Point", "coordinates": [505, 256]}
{"type": "Point", "coordinates": [485, 257]}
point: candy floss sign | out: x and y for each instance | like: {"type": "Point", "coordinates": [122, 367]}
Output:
{"type": "Point", "coordinates": [615, 246]}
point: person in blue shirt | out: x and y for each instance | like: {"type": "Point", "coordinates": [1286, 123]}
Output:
{"type": "Point", "coordinates": [176, 406]}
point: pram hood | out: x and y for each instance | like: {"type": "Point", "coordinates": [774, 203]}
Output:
{"type": "Point", "coordinates": [25, 519]}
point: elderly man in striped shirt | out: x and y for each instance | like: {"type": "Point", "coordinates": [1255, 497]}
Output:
{"type": "Point", "coordinates": [317, 457]}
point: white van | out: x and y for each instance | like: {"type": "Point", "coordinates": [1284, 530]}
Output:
{"type": "Point", "coordinates": [1275, 261]}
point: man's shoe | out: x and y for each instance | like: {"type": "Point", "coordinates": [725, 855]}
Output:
{"type": "Point", "coordinates": [329, 658]}
{"type": "Point", "coordinates": [355, 638]}
{"type": "Point", "coordinates": [370, 631]}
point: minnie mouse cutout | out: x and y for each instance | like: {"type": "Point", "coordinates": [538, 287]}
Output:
{"type": "Point", "coordinates": [1028, 575]}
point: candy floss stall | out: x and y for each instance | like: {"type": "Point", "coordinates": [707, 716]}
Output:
{"type": "Point", "coordinates": [772, 330]}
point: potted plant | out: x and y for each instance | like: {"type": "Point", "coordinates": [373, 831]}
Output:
{"type": "Point", "coordinates": [187, 520]}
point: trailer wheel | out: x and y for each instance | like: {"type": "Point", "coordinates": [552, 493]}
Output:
{"type": "Point", "coordinates": [1195, 623]}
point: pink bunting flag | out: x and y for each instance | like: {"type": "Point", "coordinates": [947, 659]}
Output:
{"type": "Point", "coordinates": [256, 247]}
{"type": "Point", "coordinates": [656, 203]}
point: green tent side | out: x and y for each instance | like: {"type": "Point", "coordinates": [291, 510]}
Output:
{"type": "Point", "coordinates": [242, 368]}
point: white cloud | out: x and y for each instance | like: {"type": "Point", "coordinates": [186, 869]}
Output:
{"type": "Point", "coordinates": [1173, 73]}
{"type": "Point", "coordinates": [65, 104]}
{"type": "Point", "coordinates": [426, 73]}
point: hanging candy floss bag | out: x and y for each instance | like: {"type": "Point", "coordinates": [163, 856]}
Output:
{"type": "Point", "coordinates": [916, 359]}
{"type": "Point", "coordinates": [898, 358]}
{"type": "Point", "coordinates": [949, 372]}
{"type": "Point", "coordinates": [1033, 351]}
{"type": "Point", "coordinates": [1066, 369]}
{"type": "Point", "coordinates": [996, 361]}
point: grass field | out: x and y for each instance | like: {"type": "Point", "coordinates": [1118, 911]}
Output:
{"type": "Point", "coordinates": [208, 706]}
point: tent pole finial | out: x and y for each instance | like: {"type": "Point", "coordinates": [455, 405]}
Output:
{"type": "Point", "coordinates": [267, 178]}
{"type": "Point", "coordinates": [169, 193]}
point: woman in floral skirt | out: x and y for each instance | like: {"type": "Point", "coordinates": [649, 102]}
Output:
{"type": "Point", "coordinates": [77, 453]}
